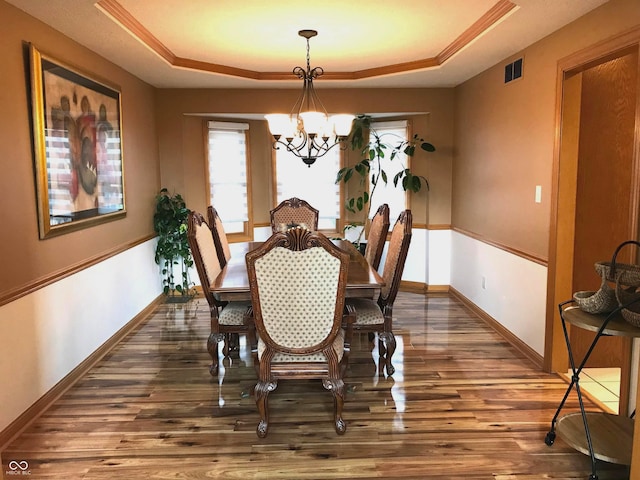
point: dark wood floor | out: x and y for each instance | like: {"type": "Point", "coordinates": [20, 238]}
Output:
{"type": "Point", "coordinates": [462, 404]}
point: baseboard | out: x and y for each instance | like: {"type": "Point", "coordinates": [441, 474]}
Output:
{"type": "Point", "coordinates": [38, 408]}
{"type": "Point", "coordinates": [412, 287]}
{"type": "Point", "coordinates": [419, 287]}
{"type": "Point", "coordinates": [438, 288]}
{"type": "Point", "coordinates": [518, 344]}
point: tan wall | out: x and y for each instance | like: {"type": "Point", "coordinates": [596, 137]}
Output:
{"type": "Point", "coordinates": [504, 135]}
{"type": "Point", "coordinates": [25, 258]}
{"type": "Point", "coordinates": [181, 138]}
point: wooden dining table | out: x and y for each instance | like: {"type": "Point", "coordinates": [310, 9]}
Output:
{"type": "Point", "coordinates": [233, 282]}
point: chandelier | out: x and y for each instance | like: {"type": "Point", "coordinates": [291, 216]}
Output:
{"type": "Point", "coordinates": [308, 131]}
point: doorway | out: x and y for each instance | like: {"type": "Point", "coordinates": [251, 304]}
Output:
{"type": "Point", "coordinates": [596, 181]}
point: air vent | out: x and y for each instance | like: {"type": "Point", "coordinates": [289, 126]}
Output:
{"type": "Point", "coordinates": [513, 71]}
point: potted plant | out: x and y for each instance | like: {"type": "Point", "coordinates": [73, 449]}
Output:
{"type": "Point", "coordinates": [369, 168]}
{"type": "Point", "coordinates": [172, 249]}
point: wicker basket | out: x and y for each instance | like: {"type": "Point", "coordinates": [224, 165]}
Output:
{"type": "Point", "coordinates": [632, 314]}
{"type": "Point", "coordinates": [626, 274]}
{"type": "Point", "coordinates": [631, 300]}
{"type": "Point", "coordinates": [602, 301]}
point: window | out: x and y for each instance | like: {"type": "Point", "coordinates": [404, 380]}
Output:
{"type": "Point", "coordinates": [228, 176]}
{"type": "Point", "coordinates": [391, 133]}
{"type": "Point", "coordinates": [315, 184]}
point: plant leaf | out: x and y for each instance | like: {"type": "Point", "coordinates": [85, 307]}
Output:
{"type": "Point", "coordinates": [416, 185]}
{"type": "Point", "coordinates": [427, 147]}
{"type": "Point", "coordinates": [348, 175]}
{"type": "Point", "coordinates": [359, 204]}
{"type": "Point", "coordinates": [349, 205]}
{"type": "Point", "coordinates": [397, 177]}
{"type": "Point", "coordinates": [384, 176]}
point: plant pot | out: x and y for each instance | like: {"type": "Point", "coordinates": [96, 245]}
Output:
{"type": "Point", "coordinates": [178, 298]}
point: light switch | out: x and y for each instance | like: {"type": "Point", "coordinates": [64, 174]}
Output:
{"type": "Point", "coordinates": [538, 193]}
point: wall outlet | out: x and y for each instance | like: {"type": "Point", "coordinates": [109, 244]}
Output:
{"type": "Point", "coordinates": [484, 283]}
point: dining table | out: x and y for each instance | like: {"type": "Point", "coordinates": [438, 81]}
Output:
{"type": "Point", "coordinates": [232, 283]}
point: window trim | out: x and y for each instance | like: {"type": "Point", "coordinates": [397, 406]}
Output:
{"type": "Point", "coordinates": [247, 234]}
{"type": "Point", "coordinates": [406, 123]}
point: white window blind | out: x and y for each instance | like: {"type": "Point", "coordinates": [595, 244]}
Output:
{"type": "Point", "coordinates": [391, 133]}
{"type": "Point", "coordinates": [315, 184]}
{"type": "Point", "coordinates": [228, 173]}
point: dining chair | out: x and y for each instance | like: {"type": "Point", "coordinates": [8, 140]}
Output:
{"type": "Point", "coordinates": [219, 236]}
{"type": "Point", "coordinates": [227, 318]}
{"type": "Point", "coordinates": [293, 212]}
{"type": "Point", "coordinates": [376, 316]}
{"type": "Point", "coordinates": [298, 280]}
{"type": "Point", "coordinates": [377, 236]}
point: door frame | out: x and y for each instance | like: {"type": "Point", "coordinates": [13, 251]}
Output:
{"type": "Point", "coordinates": [563, 187]}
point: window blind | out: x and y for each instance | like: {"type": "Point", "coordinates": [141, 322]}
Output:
{"type": "Point", "coordinates": [227, 150]}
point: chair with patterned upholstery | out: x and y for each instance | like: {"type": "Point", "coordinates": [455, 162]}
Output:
{"type": "Point", "coordinates": [219, 236]}
{"type": "Point", "coordinates": [377, 236]}
{"type": "Point", "coordinates": [227, 318]}
{"type": "Point", "coordinates": [377, 316]}
{"type": "Point", "coordinates": [298, 281]}
{"type": "Point", "coordinates": [293, 212]}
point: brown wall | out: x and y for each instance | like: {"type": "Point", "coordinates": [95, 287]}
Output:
{"type": "Point", "coordinates": [181, 138]}
{"type": "Point", "coordinates": [504, 135]}
{"type": "Point", "coordinates": [25, 258]}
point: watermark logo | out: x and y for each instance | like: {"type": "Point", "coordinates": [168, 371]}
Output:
{"type": "Point", "coordinates": [18, 468]}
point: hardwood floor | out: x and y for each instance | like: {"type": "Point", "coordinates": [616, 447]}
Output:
{"type": "Point", "coordinates": [461, 404]}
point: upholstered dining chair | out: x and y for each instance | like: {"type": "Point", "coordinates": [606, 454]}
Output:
{"type": "Point", "coordinates": [298, 281]}
{"type": "Point", "coordinates": [376, 316]}
{"type": "Point", "coordinates": [219, 236]}
{"type": "Point", "coordinates": [377, 236]}
{"type": "Point", "coordinates": [227, 318]}
{"type": "Point", "coordinates": [293, 212]}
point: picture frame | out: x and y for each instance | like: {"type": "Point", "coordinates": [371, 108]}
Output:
{"type": "Point", "coordinates": [77, 132]}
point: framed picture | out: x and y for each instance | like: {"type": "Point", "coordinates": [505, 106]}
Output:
{"type": "Point", "coordinates": [77, 131]}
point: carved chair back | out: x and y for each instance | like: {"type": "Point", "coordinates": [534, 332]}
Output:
{"type": "Point", "coordinates": [219, 235]}
{"type": "Point", "coordinates": [205, 254]}
{"type": "Point", "coordinates": [293, 212]}
{"type": "Point", "coordinates": [377, 236]}
{"type": "Point", "coordinates": [396, 258]}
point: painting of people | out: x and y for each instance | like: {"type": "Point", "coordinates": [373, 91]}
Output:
{"type": "Point", "coordinates": [78, 140]}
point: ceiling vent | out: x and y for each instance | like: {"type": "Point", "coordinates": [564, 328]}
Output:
{"type": "Point", "coordinates": [513, 71]}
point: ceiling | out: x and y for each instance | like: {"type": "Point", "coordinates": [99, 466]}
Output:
{"type": "Point", "coordinates": [255, 43]}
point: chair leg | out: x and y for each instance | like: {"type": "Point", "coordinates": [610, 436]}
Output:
{"type": "Point", "coordinates": [382, 350]}
{"type": "Point", "coordinates": [390, 343]}
{"type": "Point", "coordinates": [212, 348]}
{"type": "Point", "coordinates": [231, 343]}
{"type": "Point", "coordinates": [336, 386]}
{"type": "Point", "coordinates": [251, 338]}
{"type": "Point", "coordinates": [261, 391]}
